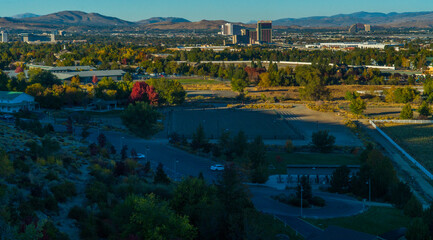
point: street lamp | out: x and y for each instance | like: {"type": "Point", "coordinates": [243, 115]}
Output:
{"type": "Point", "coordinates": [369, 189]}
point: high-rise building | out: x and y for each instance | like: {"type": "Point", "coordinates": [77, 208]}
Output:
{"type": "Point", "coordinates": [367, 27]}
{"type": "Point", "coordinates": [230, 29]}
{"type": "Point", "coordinates": [264, 31]}
{"type": "Point", "coordinates": [4, 37]}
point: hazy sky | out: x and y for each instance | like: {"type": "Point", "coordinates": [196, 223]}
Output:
{"type": "Point", "coordinates": [232, 10]}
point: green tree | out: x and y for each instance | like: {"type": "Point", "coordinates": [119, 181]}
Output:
{"type": "Point", "coordinates": [406, 112]}
{"type": "Point", "coordinates": [141, 119]}
{"type": "Point", "coordinates": [357, 105]}
{"type": "Point", "coordinates": [150, 218]}
{"type": "Point", "coordinates": [195, 199]}
{"type": "Point", "coordinates": [413, 207]}
{"type": "Point", "coordinates": [239, 85]}
{"type": "Point", "coordinates": [257, 159]}
{"type": "Point", "coordinates": [240, 143]}
{"type": "Point", "coordinates": [127, 77]}
{"type": "Point", "coordinates": [424, 110]}
{"type": "Point", "coordinates": [45, 78]}
{"type": "Point", "coordinates": [169, 91]}
{"type": "Point", "coordinates": [340, 181]}
{"type": "Point", "coordinates": [418, 230]}
{"type": "Point", "coordinates": [323, 141]}
{"type": "Point", "coordinates": [160, 175]}
{"type": "Point", "coordinates": [199, 139]}
{"type": "Point", "coordinates": [233, 196]}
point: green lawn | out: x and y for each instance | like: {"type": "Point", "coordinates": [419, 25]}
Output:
{"type": "Point", "coordinates": [267, 227]}
{"type": "Point", "coordinates": [376, 221]}
{"type": "Point", "coordinates": [280, 159]}
{"type": "Point", "coordinates": [198, 81]}
{"type": "Point", "coordinates": [416, 139]}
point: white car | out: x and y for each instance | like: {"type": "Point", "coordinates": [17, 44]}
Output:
{"type": "Point", "coordinates": [140, 156]}
{"type": "Point", "coordinates": [217, 167]}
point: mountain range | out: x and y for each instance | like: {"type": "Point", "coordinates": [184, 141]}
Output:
{"type": "Point", "coordinates": [407, 19]}
{"type": "Point", "coordinates": [82, 20]}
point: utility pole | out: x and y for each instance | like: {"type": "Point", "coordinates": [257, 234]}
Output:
{"type": "Point", "coordinates": [302, 190]}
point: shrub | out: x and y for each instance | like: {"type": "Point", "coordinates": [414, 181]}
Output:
{"type": "Point", "coordinates": [63, 191]}
{"type": "Point", "coordinates": [317, 201]}
{"type": "Point", "coordinates": [78, 213]}
{"type": "Point", "coordinates": [289, 146]}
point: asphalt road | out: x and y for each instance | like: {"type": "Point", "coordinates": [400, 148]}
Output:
{"type": "Point", "coordinates": [178, 164]}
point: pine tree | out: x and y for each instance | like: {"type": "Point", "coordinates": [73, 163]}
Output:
{"type": "Point", "coordinates": [160, 175]}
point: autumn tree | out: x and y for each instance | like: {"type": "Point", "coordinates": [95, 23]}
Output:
{"type": "Point", "coordinates": [142, 92]}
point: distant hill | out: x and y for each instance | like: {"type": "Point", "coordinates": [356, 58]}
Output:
{"type": "Point", "coordinates": [162, 19]}
{"type": "Point", "coordinates": [25, 15]}
{"type": "Point", "coordinates": [71, 18]}
{"type": "Point", "coordinates": [408, 19]}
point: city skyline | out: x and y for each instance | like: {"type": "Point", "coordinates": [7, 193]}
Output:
{"type": "Point", "coordinates": [194, 10]}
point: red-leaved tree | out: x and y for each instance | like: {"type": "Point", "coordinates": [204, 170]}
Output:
{"type": "Point", "coordinates": [94, 79]}
{"type": "Point", "coordinates": [143, 92]}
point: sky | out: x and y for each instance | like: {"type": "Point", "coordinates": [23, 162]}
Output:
{"type": "Point", "coordinates": [230, 10]}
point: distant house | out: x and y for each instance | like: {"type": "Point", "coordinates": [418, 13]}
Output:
{"type": "Point", "coordinates": [11, 102]}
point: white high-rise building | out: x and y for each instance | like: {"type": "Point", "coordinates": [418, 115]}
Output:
{"type": "Point", "coordinates": [4, 36]}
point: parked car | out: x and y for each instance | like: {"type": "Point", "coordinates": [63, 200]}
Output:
{"type": "Point", "coordinates": [217, 167]}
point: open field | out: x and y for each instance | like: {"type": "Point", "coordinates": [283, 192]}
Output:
{"type": "Point", "coordinates": [280, 160]}
{"type": "Point", "coordinates": [376, 221]}
{"type": "Point", "coordinates": [297, 123]}
{"type": "Point", "coordinates": [416, 139]}
{"type": "Point", "coordinates": [198, 81]}
{"type": "Point", "coordinates": [338, 92]}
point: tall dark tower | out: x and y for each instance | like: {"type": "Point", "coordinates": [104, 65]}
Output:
{"type": "Point", "coordinates": [264, 31]}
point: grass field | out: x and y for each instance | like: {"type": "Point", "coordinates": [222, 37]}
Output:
{"type": "Point", "coordinates": [416, 139]}
{"type": "Point", "coordinates": [376, 221]}
{"type": "Point", "coordinates": [280, 160]}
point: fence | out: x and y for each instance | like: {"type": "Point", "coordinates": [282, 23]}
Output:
{"type": "Point", "coordinates": [413, 160]}
{"type": "Point", "coordinates": [405, 121]}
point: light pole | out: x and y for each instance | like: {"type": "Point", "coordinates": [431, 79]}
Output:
{"type": "Point", "coordinates": [369, 189]}
{"type": "Point", "coordinates": [302, 190]}
{"type": "Point", "coordinates": [121, 142]}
